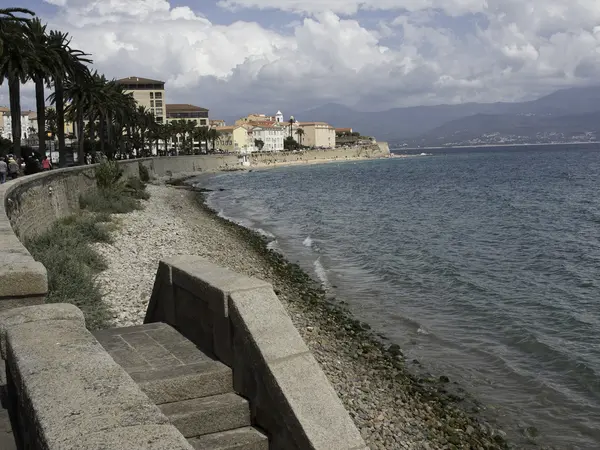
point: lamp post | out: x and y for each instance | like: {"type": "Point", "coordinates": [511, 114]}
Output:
{"type": "Point", "coordinates": [50, 136]}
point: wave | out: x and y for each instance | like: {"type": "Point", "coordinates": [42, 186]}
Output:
{"type": "Point", "coordinates": [321, 272]}
{"type": "Point", "coordinates": [308, 242]}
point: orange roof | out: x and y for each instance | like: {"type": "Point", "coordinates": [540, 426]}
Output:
{"type": "Point", "coordinates": [186, 107]}
{"type": "Point", "coordinates": [342, 130]}
{"type": "Point", "coordinates": [266, 123]}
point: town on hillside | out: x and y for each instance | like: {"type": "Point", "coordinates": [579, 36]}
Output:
{"type": "Point", "coordinates": [189, 129]}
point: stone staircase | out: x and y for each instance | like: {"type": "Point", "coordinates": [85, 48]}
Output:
{"type": "Point", "coordinates": [194, 390]}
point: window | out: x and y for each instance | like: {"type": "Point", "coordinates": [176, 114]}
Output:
{"type": "Point", "coordinates": [158, 95]}
{"type": "Point", "coordinates": [159, 120]}
{"type": "Point", "coordinates": [151, 95]}
{"type": "Point", "coordinates": [158, 103]}
{"type": "Point", "coordinates": [202, 121]}
{"type": "Point", "coordinates": [151, 103]}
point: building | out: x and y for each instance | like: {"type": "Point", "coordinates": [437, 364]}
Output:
{"type": "Point", "coordinates": [217, 123]}
{"type": "Point", "coordinates": [235, 138]}
{"type": "Point", "coordinates": [148, 93]}
{"type": "Point", "coordinates": [272, 137]}
{"type": "Point", "coordinates": [28, 125]}
{"type": "Point", "coordinates": [260, 118]}
{"type": "Point", "coordinates": [189, 113]}
{"type": "Point", "coordinates": [318, 134]}
{"type": "Point", "coordinates": [343, 131]}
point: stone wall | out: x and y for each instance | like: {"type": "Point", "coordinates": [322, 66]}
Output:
{"type": "Point", "coordinates": [379, 150]}
{"type": "Point", "coordinates": [241, 322]}
{"type": "Point", "coordinates": [29, 205]}
{"type": "Point", "coordinates": [64, 391]}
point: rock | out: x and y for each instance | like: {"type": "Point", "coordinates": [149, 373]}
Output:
{"type": "Point", "coordinates": [444, 379]}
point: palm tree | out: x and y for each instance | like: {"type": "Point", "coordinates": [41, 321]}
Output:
{"type": "Point", "coordinates": [69, 64]}
{"type": "Point", "coordinates": [15, 66]}
{"type": "Point", "coordinates": [300, 134]}
{"type": "Point", "coordinates": [8, 17]}
{"type": "Point", "coordinates": [44, 64]}
{"type": "Point", "coordinates": [80, 92]}
{"type": "Point", "coordinates": [213, 136]}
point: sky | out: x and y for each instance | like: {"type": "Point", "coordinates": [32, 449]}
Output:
{"type": "Point", "coordinates": [240, 56]}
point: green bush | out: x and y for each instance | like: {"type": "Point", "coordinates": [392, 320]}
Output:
{"type": "Point", "coordinates": [108, 175]}
{"type": "Point", "coordinates": [143, 173]}
{"type": "Point", "coordinates": [109, 201]}
{"type": "Point", "coordinates": [73, 264]}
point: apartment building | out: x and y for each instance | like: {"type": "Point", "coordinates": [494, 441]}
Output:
{"type": "Point", "coordinates": [148, 93]}
{"type": "Point", "coordinates": [217, 123]}
{"type": "Point", "coordinates": [235, 139]}
{"type": "Point", "coordinates": [28, 124]}
{"type": "Point", "coordinates": [318, 134]}
{"type": "Point", "coordinates": [189, 113]}
{"type": "Point", "coordinates": [272, 136]}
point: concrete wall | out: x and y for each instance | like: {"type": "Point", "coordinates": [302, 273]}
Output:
{"type": "Point", "coordinates": [64, 391]}
{"type": "Point", "coordinates": [241, 322]}
{"type": "Point", "coordinates": [31, 204]}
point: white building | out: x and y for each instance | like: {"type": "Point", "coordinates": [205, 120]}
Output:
{"type": "Point", "coordinates": [28, 124]}
{"type": "Point", "coordinates": [272, 137]}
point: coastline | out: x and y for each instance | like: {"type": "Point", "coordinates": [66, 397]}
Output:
{"type": "Point", "coordinates": [392, 407]}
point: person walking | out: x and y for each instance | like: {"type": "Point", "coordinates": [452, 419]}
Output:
{"type": "Point", "coordinates": [3, 170]}
{"type": "Point", "coordinates": [46, 164]}
{"type": "Point", "coordinates": [13, 167]}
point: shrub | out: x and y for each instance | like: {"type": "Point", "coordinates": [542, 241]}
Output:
{"type": "Point", "coordinates": [108, 175]}
{"type": "Point", "coordinates": [73, 264]}
{"type": "Point", "coordinates": [143, 172]}
{"type": "Point", "coordinates": [136, 188]}
{"type": "Point", "coordinates": [109, 201]}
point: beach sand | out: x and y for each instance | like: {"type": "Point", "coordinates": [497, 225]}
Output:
{"type": "Point", "coordinates": [392, 407]}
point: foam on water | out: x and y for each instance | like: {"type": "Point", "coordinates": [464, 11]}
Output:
{"type": "Point", "coordinates": [308, 242]}
{"type": "Point", "coordinates": [321, 273]}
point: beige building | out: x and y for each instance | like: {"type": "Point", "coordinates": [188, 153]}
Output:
{"type": "Point", "coordinates": [235, 139]}
{"type": "Point", "coordinates": [148, 93]}
{"type": "Point", "coordinates": [217, 123]}
{"type": "Point", "coordinates": [318, 134]}
{"type": "Point", "coordinates": [188, 113]}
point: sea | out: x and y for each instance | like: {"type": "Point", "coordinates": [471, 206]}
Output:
{"type": "Point", "coordinates": [481, 263]}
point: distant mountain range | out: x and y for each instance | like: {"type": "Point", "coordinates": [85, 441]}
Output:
{"type": "Point", "coordinates": [567, 115]}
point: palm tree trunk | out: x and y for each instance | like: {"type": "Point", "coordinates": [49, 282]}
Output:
{"type": "Point", "coordinates": [14, 92]}
{"type": "Point", "coordinates": [40, 101]}
{"type": "Point", "coordinates": [101, 127]}
{"type": "Point", "coordinates": [80, 138]}
{"type": "Point", "coordinates": [109, 133]}
{"type": "Point", "coordinates": [59, 92]}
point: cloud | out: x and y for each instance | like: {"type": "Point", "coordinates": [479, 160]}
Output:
{"type": "Point", "coordinates": [418, 52]}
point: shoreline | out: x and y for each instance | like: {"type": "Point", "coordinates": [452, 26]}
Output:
{"type": "Point", "coordinates": [391, 406]}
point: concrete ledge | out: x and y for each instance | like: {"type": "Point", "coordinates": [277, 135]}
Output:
{"type": "Point", "coordinates": [68, 393]}
{"type": "Point", "coordinates": [243, 323]}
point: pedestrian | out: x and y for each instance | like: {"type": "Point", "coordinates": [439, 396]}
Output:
{"type": "Point", "coordinates": [46, 164]}
{"type": "Point", "coordinates": [3, 170]}
{"type": "Point", "coordinates": [13, 167]}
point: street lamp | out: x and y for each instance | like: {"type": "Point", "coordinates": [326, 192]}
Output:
{"type": "Point", "coordinates": [50, 136]}
{"type": "Point", "coordinates": [291, 122]}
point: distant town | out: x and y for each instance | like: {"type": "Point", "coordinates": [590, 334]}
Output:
{"type": "Point", "coordinates": [251, 133]}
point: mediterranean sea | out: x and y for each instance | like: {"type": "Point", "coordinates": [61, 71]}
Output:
{"type": "Point", "coordinates": [481, 263]}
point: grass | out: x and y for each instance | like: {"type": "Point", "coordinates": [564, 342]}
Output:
{"type": "Point", "coordinates": [66, 250]}
{"type": "Point", "coordinates": [73, 264]}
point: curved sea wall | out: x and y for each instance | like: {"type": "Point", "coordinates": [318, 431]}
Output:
{"type": "Point", "coordinates": [31, 204]}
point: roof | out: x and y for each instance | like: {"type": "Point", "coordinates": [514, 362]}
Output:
{"type": "Point", "coordinates": [341, 130]}
{"type": "Point", "coordinates": [138, 80]}
{"type": "Point", "coordinates": [266, 123]}
{"type": "Point", "coordinates": [183, 107]}
{"type": "Point", "coordinates": [309, 124]}
{"type": "Point", "coordinates": [228, 128]}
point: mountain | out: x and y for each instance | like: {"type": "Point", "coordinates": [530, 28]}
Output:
{"type": "Point", "coordinates": [405, 124]}
{"type": "Point", "coordinates": [523, 128]}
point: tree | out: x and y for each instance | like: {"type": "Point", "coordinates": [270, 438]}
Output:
{"type": "Point", "coordinates": [69, 65]}
{"type": "Point", "coordinates": [290, 143]}
{"type": "Point", "coordinates": [44, 64]}
{"type": "Point", "coordinates": [259, 143]}
{"type": "Point", "coordinates": [300, 134]}
{"type": "Point", "coordinates": [213, 136]}
{"type": "Point", "coordinates": [15, 67]}
{"type": "Point", "coordinates": [79, 91]}
{"type": "Point", "coordinates": [8, 18]}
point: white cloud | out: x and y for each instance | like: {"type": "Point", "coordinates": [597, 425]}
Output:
{"type": "Point", "coordinates": [422, 52]}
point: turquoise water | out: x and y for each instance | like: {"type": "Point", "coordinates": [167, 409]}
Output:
{"type": "Point", "coordinates": [484, 265]}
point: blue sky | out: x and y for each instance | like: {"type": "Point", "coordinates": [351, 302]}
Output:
{"type": "Point", "coordinates": [236, 56]}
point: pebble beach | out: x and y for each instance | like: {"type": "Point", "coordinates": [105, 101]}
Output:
{"type": "Point", "coordinates": [393, 407]}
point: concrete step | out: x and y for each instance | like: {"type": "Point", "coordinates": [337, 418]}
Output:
{"type": "Point", "coordinates": [185, 382]}
{"type": "Point", "coordinates": [208, 415]}
{"type": "Point", "coordinates": [246, 438]}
